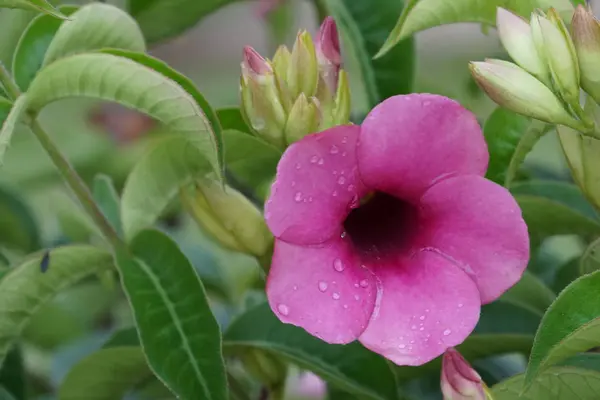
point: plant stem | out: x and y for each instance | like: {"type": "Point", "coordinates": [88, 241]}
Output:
{"type": "Point", "coordinates": [68, 173]}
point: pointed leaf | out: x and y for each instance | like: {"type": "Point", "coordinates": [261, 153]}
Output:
{"type": "Point", "coordinates": [95, 26]}
{"type": "Point", "coordinates": [8, 126]}
{"type": "Point", "coordinates": [13, 23]}
{"type": "Point", "coordinates": [18, 227]}
{"type": "Point", "coordinates": [530, 291]}
{"type": "Point", "coordinates": [431, 13]}
{"type": "Point", "coordinates": [109, 374]}
{"type": "Point", "coordinates": [163, 19]}
{"type": "Point", "coordinates": [565, 274]}
{"type": "Point", "coordinates": [558, 383]}
{"type": "Point", "coordinates": [350, 367]}
{"type": "Point", "coordinates": [571, 325]}
{"type": "Point", "coordinates": [25, 289]}
{"type": "Point", "coordinates": [107, 198]}
{"type": "Point", "coordinates": [170, 307]}
{"type": "Point", "coordinates": [119, 79]}
{"type": "Point", "coordinates": [33, 44]}
{"type": "Point", "coordinates": [12, 374]}
{"type": "Point", "coordinates": [231, 118]}
{"type": "Point", "coordinates": [386, 76]}
{"type": "Point", "coordinates": [590, 260]}
{"type": "Point", "coordinates": [36, 5]}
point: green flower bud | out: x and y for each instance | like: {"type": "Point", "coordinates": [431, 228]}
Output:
{"type": "Point", "coordinates": [305, 118]}
{"type": "Point", "coordinates": [586, 37]}
{"type": "Point", "coordinates": [228, 217]}
{"type": "Point", "coordinates": [302, 76]}
{"type": "Point", "coordinates": [513, 88]}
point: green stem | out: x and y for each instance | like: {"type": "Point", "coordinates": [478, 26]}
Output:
{"type": "Point", "coordinates": [68, 173]}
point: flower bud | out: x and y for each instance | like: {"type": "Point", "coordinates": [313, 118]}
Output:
{"type": "Point", "coordinates": [261, 103]}
{"type": "Point", "coordinates": [552, 35]}
{"type": "Point", "coordinates": [328, 53]}
{"type": "Point", "coordinates": [342, 106]}
{"type": "Point", "coordinates": [514, 89]}
{"type": "Point", "coordinates": [459, 380]}
{"type": "Point", "coordinates": [586, 36]}
{"type": "Point", "coordinates": [228, 217]}
{"type": "Point", "coordinates": [517, 38]}
{"type": "Point", "coordinates": [302, 76]}
{"type": "Point", "coordinates": [304, 118]}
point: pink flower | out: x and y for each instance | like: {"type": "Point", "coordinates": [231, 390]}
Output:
{"type": "Point", "coordinates": [388, 233]}
{"type": "Point", "coordinates": [459, 380]}
{"type": "Point", "coordinates": [328, 53]}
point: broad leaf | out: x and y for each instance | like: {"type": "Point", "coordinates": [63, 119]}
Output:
{"type": "Point", "coordinates": [351, 367]}
{"type": "Point", "coordinates": [36, 5]}
{"type": "Point", "coordinates": [18, 227]}
{"type": "Point", "coordinates": [108, 374]}
{"type": "Point", "coordinates": [386, 76]}
{"type": "Point", "coordinates": [231, 118]}
{"type": "Point", "coordinates": [163, 19]}
{"type": "Point", "coordinates": [571, 325]}
{"type": "Point", "coordinates": [590, 260]}
{"type": "Point", "coordinates": [95, 26]}
{"type": "Point", "coordinates": [12, 374]}
{"type": "Point", "coordinates": [33, 44]}
{"type": "Point", "coordinates": [565, 274]}
{"type": "Point", "coordinates": [584, 361]}
{"type": "Point", "coordinates": [510, 137]}
{"type": "Point", "coordinates": [25, 289]}
{"type": "Point", "coordinates": [252, 161]}
{"type": "Point", "coordinates": [156, 180]}
{"type": "Point", "coordinates": [555, 208]}
{"type": "Point", "coordinates": [13, 23]}
{"type": "Point", "coordinates": [119, 79]}
{"type": "Point", "coordinates": [107, 198]}
{"type": "Point", "coordinates": [170, 307]}
{"type": "Point", "coordinates": [10, 122]}
{"type": "Point", "coordinates": [558, 383]}
{"type": "Point", "coordinates": [431, 13]}
{"type": "Point", "coordinates": [530, 291]}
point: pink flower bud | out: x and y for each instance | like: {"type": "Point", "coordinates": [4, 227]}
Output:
{"type": "Point", "coordinates": [255, 63]}
{"type": "Point", "coordinates": [328, 53]}
{"type": "Point", "coordinates": [459, 380]}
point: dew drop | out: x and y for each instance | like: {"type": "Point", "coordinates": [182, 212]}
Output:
{"type": "Point", "coordinates": [427, 310]}
{"type": "Point", "coordinates": [322, 286]}
{"type": "Point", "coordinates": [310, 199]}
{"type": "Point", "coordinates": [298, 166]}
{"type": "Point", "coordinates": [345, 139]}
{"type": "Point", "coordinates": [460, 305]}
{"type": "Point", "coordinates": [422, 318]}
{"type": "Point", "coordinates": [335, 193]}
{"type": "Point", "coordinates": [364, 283]}
{"type": "Point", "coordinates": [401, 346]}
{"type": "Point", "coordinates": [314, 159]}
{"type": "Point", "coordinates": [351, 188]}
{"type": "Point", "coordinates": [293, 183]}
{"type": "Point", "coordinates": [321, 161]}
{"type": "Point", "coordinates": [334, 172]}
{"type": "Point", "coordinates": [426, 103]}
{"type": "Point", "coordinates": [356, 285]}
{"type": "Point", "coordinates": [343, 235]}
{"type": "Point", "coordinates": [335, 296]}
{"type": "Point", "coordinates": [341, 180]}
{"type": "Point", "coordinates": [447, 332]}
{"type": "Point", "coordinates": [338, 265]}
{"type": "Point", "coordinates": [412, 342]}
{"type": "Point", "coordinates": [267, 215]}
{"type": "Point", "coordinates": [356, 297]}
{"type": "Point", "coordinates": [295, 287]}
{"type": "Point", "coordinates": [298, 197]}
{"type": "Point", "coordinates": [346, 306]}
{"type": "Point", "coordinates": [334, 149]}
{"type": "Point", "coordinates": [344, 154]}
{"type": "Point", "coordinates": [414, 327]}
{"type": "Point", "coordinates": [283, 309]}
{"type": "Point", "coordinates": [421, 328]}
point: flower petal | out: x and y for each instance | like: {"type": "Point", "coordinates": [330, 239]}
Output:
{"type": "Point", "coordinates": [316, 186]}
{"type": "Point", "coordinates": [427, 304]}
{"type": "Point", "coordinates": [409, 142]}
{"type": "Point", "coordinates": [477, 224]}
{"type": "Point", "coordinates": [322, 289]}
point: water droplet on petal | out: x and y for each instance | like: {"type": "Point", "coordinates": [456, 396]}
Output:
{"type": "Point", "coordinates": [293, 183]}
{"type": "Point", "coordinates": [364, 283]}
{"type": "Point", "coordinates": [401, 346]}
{"type": "Point", "coordinates": [356, 285]}
{"type": "Point", "coordinates": [338, 265]}
{"type": "Point", "coordinates": [321, 161]}
{"type": "Point", "coordinates": [447, 332]}
{"type": "Point", "coordinates": [310, 199]}
{"type": "Point", "coordinates": [343, 235]}
{"type": "Point", "coordinates": [356, 297]}
{"type": "Point", "coordinates": [414, 327]}
{"type": "Point", "coordinates": [351, 188]}
{"type": "Point", "coordinates": [421, 328]}
{"type": "Point", "coordinates": [298, 166]}
{"type": "Point", "coordinates": [422, 318]}
{"type": "Point", "coordinates": [335, 193]}
{"type": "Point", "coordinates": [298, 197]}
{"type": "Point", "coordinates": [322, 286]}
{"type": "Point", "coordinates": [341, 180]}
{"type": "Point", "coordinates": [346, 306]}
{"type": "Point", "coordinates": [334, 172]}
{"type": "Point", "coordinates": [283, 309]}
{"type": "Point", "coordinates": [335, 296]}
{"type": "Point", "coordinates": [295, 287]}
{"type": "Point", "coordinates": [426, 103]}
{"type": "Point", "coordinates": [334, 149]}
{"type": "Point", "coordinates": [427, 310]}
{"type": "Point", "coordinates": [460, 305]}
{"type": "Point", "coordinates": [345, 139]}
{"type": "Point", "coordinates": [314, 159]}
{"type": "Point", "coordinates": [344, 154]}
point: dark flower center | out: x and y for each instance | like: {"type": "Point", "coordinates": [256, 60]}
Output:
{"type": "Point", "coordinates": [382, 225]}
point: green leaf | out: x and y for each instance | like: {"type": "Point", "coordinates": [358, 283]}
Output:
{"type": "Point", "coordinates": [163, 19]}
{"type": "Point", "coordinates": [156, 180]}
{"type": "Point", "coordinates": [351, 367]}
{"type": "Point", "coordinates": [13, 23]}
{"type": "Point", "coordinates": [108, 373]}
{"type": "Point", "coordinates": [12, 374]}
{"type": "Point", "coordinates": [530, 291]}
{"type": "Point", "coordinates": [25, 289]}
{"type": "Point", "coordinates": [559, 383]}
{"type": "Point", "coordinates": [231, 118]}
{"type": "Point", "coordinates": [571, 325]}
{"type": "Point", "coordinates": [18, 227]}
{"type": "Point", "coordinates": [92, 27]}
{"type": "Point", "coordinates": [35, 5]}
{"type": "Point", "coordinates": [251, 160]}
{"type": "Point", "coordinates": [107, 198]}
{"type": "Point", "coordinates": [33, 44]}
{"type": "Point", "coordinates": [386, 76]}
{"type": "Point", "coordinates": [8, 127]}
{"type": "Point", "coordinates": [590, 260]}
{"type": "Point", "coordinates": [119, 79]}
{"type": "Point", "coordinates": [566, 274]}
{"type": "Point", "coordinates": [170, 306]}
{"type": "Point", "coordinates": [555, 208]}
{"type": "Point", "coordinates": [431, 13]}
{"type": "Point", "coordinates": [6, 395]}
{"type": "Point", "coordinates": [584, 361]}
{"type": "Point", "coordinates": [123, 337]}
{"type": "Point", "coordinates": [510, 137]}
